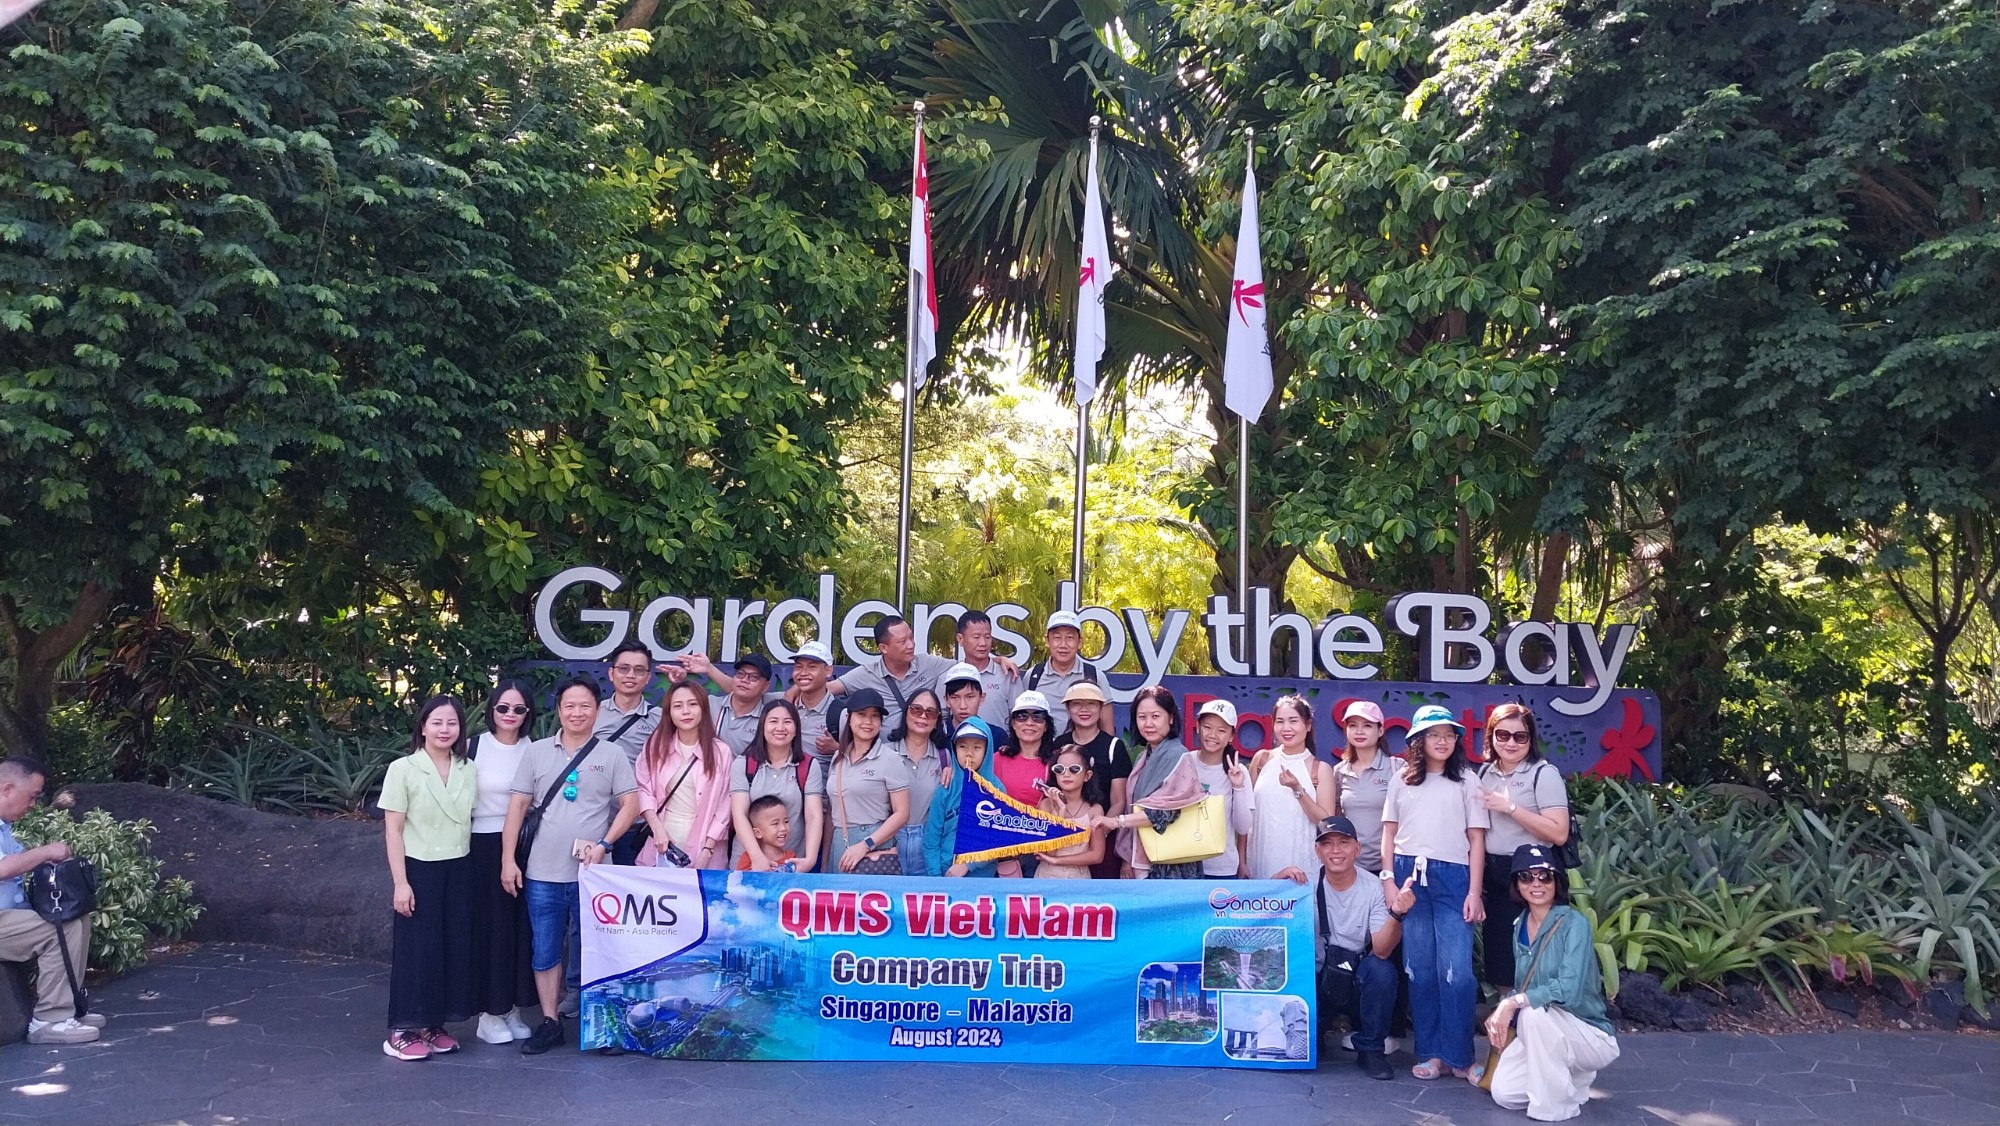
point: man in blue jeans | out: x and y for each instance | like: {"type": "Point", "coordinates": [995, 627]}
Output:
{"type": "Point", "coordinates": [588, 795]}
{"type": "Point", "coordinates": [1358, 931]}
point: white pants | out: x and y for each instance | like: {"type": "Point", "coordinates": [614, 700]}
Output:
{"type": "Point", "coordinates": [1548, 1068]}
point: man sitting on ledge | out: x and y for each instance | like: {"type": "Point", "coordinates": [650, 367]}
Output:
{"type": "Point", "coordinates": [26, 936]}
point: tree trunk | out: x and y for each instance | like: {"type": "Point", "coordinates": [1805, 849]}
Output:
{"type": "Point", "coordinates": [24, 714]}
{"type": "Point", "coordinates": [1689, 643]}
{"type": "Point", "coordinates": [1549, 577]}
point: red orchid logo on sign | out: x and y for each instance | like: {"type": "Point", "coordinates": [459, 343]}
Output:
{"type": "Point", "coordinates": [1244, 295]}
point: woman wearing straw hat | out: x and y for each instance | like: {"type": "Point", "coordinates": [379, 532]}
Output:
{"type": "Point", "coordinates": [1434, 828]}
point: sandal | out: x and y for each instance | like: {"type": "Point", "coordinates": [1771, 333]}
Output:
{"type": "Point", "coordinates": [1475, 1075]}
{"type": "Point", "coordinates": [1429, 1069]}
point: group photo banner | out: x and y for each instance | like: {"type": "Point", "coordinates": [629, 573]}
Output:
{"type": "Point", "coordinates": [691, 964]}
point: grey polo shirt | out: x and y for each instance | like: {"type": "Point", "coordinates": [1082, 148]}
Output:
{"type": "Point", "coordinates": [1351, 915]}
{"type": "Point", "coordinates": [1053, 684]}
{"type": "Point", "coordinates": [812, 722]}
{"type": "Point", "coordinates": [925, 672]}
{"type": "Point", "coordinates": [735, 730]}
{"type": "Point", "coordinates": [610, 718]}
{"type": "Point", "coordinates": [1000, 692]}
{"type": "Point", "coordinates": [1362, 793]}
{"type": "Point", "coordinates": [1536, 787]}
{"type": "Point", "coordinates": [858, 792]}
{"type": "Point", "coordinates": [602, 778]}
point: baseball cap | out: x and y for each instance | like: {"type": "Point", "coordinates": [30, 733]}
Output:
{"type": "Point", "coordinates": [814, 651]}
{"type": "Point", "coordinates": [1529, 857]}
{"type": "Point", "coordinates": [1429, 716]}
{"type": "Point", "coordinates": [1031, 701]}
{"type": "Point", "coordinates": [1328, 826]}
{"type": "Point", "coordinates": [958, 673]}
{"type": "Point", "coordinates": [756, 661]}
{"type": "Point", "coordinates": [1084, 690]}
{"type": "Point", "coordinates": [1221, 709]}
{"type": "Point", "coordinates": [863, 700]}
{"type": "Point", "coordinates": [1062, 618]}
{"type": "Point", "coordinates": [1362, 709]}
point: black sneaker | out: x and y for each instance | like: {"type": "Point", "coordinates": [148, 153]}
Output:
{"type": "Point", "coordinates": [547, 1035]}
{"type": "Point", "coordinates": [1374, 1063]}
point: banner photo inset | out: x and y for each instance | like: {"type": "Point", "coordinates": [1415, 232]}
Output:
{"type": "Point", "coordinates": [684, 964]}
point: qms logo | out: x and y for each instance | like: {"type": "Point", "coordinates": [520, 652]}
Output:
{"type": "Point", "coordinates": [631, 910]}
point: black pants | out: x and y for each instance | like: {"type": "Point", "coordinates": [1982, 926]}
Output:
{"type": "Point", "coordinates": [430, 951]}
{"type": "Point", "coordinates": [1496, 934]}
{"type": "Point", "coordinates": [1365, 994]}
{"type": "Point", "coordinates": [501, 940]}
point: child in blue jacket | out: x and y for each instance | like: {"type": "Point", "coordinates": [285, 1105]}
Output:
{"type": "Point", "coordinates": [972, 746]}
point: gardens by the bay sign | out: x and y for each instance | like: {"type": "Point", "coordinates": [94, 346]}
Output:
{"type": "Point", "coordinates": [1566, 671]}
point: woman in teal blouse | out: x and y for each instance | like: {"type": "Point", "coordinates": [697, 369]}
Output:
{"type": "Point", "coordinates": [1562, 1035]}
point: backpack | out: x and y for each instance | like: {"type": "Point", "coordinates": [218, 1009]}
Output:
{"type": "Point", "coordinates": [1035, 675]}
{"type": "Point", "coordinates": [801, 766]}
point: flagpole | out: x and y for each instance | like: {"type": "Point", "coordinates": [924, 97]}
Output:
{"type": "Point", "coordinates": [1083, 418]}
{"type": "Point", "coordinates": [1243, 477]}
{"type": "Point", "coordinates": [910, 375]}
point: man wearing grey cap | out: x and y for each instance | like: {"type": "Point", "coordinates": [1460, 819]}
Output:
{"type": "Point", "coordinates": [1360, 923]}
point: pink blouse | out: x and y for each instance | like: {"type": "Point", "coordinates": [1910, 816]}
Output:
{"type": "Point", "coordinates": [711, 816]}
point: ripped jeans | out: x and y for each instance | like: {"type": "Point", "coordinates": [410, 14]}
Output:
{"type": "Point", "coordinates": [1437, 956]}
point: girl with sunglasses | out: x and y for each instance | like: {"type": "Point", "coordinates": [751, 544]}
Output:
{"type": "Point", "coordinates": [1528, 804]}
{"type": "Point", "coordinates": [1063, 796]}
{"type": "Point", "coordinates": [501, 980]}
{"type": "Point", "coordinates": [1023, 764]}
{"type": "Point", "coordinates": [921, 742]}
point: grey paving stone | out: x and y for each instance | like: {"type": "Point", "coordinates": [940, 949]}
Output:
{"type": "Point", "coordinates": [1951, 1109]}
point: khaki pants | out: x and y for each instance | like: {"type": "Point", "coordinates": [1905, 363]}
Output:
{"type": "Point", "coordinates": [1548, 1068]}
{"type": "Point", "coordinates": [26, 936]}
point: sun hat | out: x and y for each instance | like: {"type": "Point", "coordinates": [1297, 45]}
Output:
{"type": "Point", "coordinates": [1432, 715]}
{"type": "Point", "coordinates": [1082, 691]}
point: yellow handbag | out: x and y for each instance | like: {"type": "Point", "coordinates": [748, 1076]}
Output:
{"type": "Point", "coordinates": [1201, 831]}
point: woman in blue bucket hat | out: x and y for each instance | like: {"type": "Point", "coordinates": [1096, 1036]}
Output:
{"type": "Point", "coordinates": [1434, 829]}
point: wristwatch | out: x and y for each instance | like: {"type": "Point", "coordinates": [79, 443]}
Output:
{"type": "Point", "coordinates": [869, 842]}
{"type": "Point", "coordinates": [604, 844]}
{"type": "Point", "coordinates": [1399, 916]}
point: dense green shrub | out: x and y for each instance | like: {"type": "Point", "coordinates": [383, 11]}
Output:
{"type": "Point", "coordinates": [133, 903]}
{"type": "Point", "coordinates": [1705, 886]}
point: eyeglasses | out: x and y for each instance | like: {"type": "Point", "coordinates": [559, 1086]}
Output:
{"type": "Point", "coordinates": [1536, 876]}
{"type": "Point", "coordinates": [1068, 768]}
{"type": "Point", "coordinates": [510, 709]}
{"type": "Point", "coordinates": [630, 670]}
{"type": "Point", "coordinates": [1510, 737]}
{"type": "Point", "coordinates": [569, 787]}
{"type": "Point", "coordinates": [921, 710]}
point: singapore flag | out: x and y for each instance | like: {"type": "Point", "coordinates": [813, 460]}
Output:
{"type": "Point", "coordinates": [1246, 357]}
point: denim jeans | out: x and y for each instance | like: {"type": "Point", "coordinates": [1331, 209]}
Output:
{"type": "Point", "coordinates": [551, 918]}
{"type": "Point", "coordinates": [910, 849]}
{"type": "Point", "coordinates": [1437, 956]}
{"type": "Point", "coordinates": [1365, 995]}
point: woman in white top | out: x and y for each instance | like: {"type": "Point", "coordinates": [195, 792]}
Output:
{"type": "Point", "coordinates": [1434, 828]}
{"type": "Point", "coordinates": [501, 979]}
{"type": "Point", "coordinates": [1292, 792]}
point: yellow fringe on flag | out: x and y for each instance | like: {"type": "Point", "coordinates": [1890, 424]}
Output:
{"type": "Point", "coordinates": [1050, 845]}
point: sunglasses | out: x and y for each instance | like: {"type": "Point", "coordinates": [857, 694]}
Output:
{"type": "Point", "coordinates": [569, 787]}
{"type": "Point", "coordinates": [1510, 737]}
{"type": "Point", "coordinates": [1536, 876]}
{"type": "Point", "coordinates": [510, 709]}
{"type": "Point", "coordinates": [1026, 717]}
{"type": "Point", "coordinates": [1062, 768]}
{"type": "Point", "coordinates": [921, 710]}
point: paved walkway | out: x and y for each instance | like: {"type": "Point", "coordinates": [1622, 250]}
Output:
{"type": "Point", "coordinates": [244, 1035]}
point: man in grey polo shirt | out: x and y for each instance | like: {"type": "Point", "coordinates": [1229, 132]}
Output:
{"type": "Point", "coordinates": [1053, 677]}
{"type": "Point", "coordinates": [626, 717]}
{"type": "Point", "coordinates": [812, 670]}
{"type": "Point", "coordinates": [1359, 923]}
{"type": "Point", "coordinates": [999, 679]}
{"type": "Point", "coordinates": [740, 707]}
{"type": "Point", "coordinates": [899, 673]}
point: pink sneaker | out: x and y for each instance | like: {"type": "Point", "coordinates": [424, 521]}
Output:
{"type": "Point", "coordinates": [440, 1041]}
{"type": "Point", "coordinates": [406, 1045]}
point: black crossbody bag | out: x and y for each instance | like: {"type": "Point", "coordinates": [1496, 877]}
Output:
{"type": "Point", "coordinates": [531, 824]}
{"type": "Point", "coordinates": [61, 891]}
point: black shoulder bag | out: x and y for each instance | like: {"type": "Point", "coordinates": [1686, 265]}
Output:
{"type": "Point", "coordinates": [531, 824]}
{"type": "Point", "coordinates": [61, 891]}
{"type": "Point", "coordinates": [1567, 853]}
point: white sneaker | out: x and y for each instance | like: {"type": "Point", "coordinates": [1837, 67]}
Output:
{"type": "Point", "coordinates": [493, 1029]}
{"type": "Point", "coordinates": [1390, 1045]}
{"type": "Point", "coordinates": [1347, 1042]}
{"type": "Point", "coordinates": [517, 1027]}
{"type": "Point", "coordinates": [60, 1032]}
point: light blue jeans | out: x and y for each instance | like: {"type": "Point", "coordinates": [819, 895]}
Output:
{"type": "Point", "coordinates": [1437, 956]}
{"type": "Point", "coordinates": [910, 849]}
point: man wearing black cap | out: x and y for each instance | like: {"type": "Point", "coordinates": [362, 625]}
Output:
{"type": "Point", "coordinates": [738, 710]}
{"type": "Point", "coordinates": [1358, 929]}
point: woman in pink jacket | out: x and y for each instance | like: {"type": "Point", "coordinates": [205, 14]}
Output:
{"type": "Point", "coordinates": [684, 786]}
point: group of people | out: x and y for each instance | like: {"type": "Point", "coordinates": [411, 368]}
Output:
{"type": "Point", "coordinates": [863, 771]}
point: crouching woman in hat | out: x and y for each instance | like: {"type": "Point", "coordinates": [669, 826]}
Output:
{"type": "Point", "coordinates": [1560, 1034]}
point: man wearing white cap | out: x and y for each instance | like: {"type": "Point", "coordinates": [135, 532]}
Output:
{"type": "Point", "coordinates": [812, 667]}
{"type": "Point", "coordinates": [999, 679]}
{"type": "Point", "coordinates": [1053, 677]}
